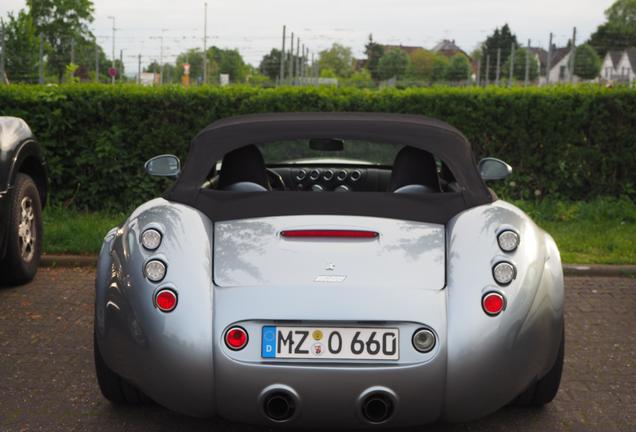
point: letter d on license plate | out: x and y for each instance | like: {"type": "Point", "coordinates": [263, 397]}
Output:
{"type": "Point", "coordinates": [329, 343]}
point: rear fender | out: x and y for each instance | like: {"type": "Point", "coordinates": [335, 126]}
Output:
{"type": "Point", "coordinates": [499, 356]}
{"type": "Point", "coordinates": [168, 356]}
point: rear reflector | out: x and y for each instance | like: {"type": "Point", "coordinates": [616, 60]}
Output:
{"type": "Point", "coordinates": [166, 300]}
{"type": "Point", "coordinates": [236, 338]}
{"type": "Point", "coordinates": [493, 303]}
{"type": "Point", "coordinates": [322, 233]}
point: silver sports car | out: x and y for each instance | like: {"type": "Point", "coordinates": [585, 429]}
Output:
{"type": "Point", "coordinates": [329, 270]}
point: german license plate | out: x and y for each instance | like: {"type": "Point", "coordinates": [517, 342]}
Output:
{"type": "Point", "coordinates": [334, 343]}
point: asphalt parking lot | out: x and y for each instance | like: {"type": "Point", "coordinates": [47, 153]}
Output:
{"type": "Point", "coordinates": [47, 380]}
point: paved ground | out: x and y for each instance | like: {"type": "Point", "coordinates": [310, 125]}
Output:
{"type": "Point", "coordinates": [47, 381]}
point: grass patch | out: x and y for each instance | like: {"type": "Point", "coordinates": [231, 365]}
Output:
{"type": "Point", "coordinates": [602, 231]}
{"type": "Point", "coordinates": [76, 232]}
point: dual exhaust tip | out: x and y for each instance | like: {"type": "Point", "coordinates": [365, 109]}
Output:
{"type": "Point", "coordinates": [378, 407]}
{"type": "Point", "coordinates": [280, 404]}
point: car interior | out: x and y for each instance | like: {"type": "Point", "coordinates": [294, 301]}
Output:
{"type": "Point", "coordinates": [324, 165]}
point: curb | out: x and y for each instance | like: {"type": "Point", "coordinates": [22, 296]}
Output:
{"type": "Point", "coordinates": [66, 261]}
{"type": "Point", "coordinates": [568, 269]}
{"type": "Point", "coordinates": [599, 270]}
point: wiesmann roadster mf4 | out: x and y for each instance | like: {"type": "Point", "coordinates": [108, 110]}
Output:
{"type": "Point", "coordinates": [326, 270]}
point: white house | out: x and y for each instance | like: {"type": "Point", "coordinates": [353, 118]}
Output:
{"type": "Point", "coordinates": [560, 66]}
{"type": "Point", "coordinates": [610, 63]}
{"type": "Point", "coordinates": [626, 68]}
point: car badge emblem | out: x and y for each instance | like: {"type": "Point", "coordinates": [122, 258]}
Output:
{"type": "Point", "coordinates": [330, 267]}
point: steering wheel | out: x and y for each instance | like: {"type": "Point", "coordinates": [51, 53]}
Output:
{"type": "Point", "coordinates": [275, 180]}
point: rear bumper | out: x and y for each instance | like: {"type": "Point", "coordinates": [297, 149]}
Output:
{"type": "Point", "coordinates": [330, 396]}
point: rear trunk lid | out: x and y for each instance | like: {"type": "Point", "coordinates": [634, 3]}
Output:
{"type": "Point", "coordinates": [403, 256]}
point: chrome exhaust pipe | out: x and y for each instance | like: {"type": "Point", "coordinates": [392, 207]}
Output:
{"type": "Point", "coordinates": [279, 403]}
{"type": "Point", "coordinates": [378, 406]}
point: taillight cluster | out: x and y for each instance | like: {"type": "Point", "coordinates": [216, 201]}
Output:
{"type": "Point", "coordinates": [165, 299]}
{"type": "Point", "coordinates": [503, 272]}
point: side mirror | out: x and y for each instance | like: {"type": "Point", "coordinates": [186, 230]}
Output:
{"type": "Point", "coordinates": [494, 169]}
{"type": "Point", "coordinates": [163, 166]}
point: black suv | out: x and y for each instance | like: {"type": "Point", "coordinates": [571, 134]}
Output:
{"type": "Point", "coordinates": [23, 189]}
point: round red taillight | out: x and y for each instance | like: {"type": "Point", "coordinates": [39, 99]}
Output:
{"type": "Point", "coordinates": [493, 303]}
{"type": "Point", "coordinates": [166, 300]}
{"type": "Point", "coordinates": [236, 338]}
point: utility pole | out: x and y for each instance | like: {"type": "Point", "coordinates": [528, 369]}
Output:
{"type": "Point", "coordinates": [3, 54]}
{"type": "Point", "coordinates": [487, 70]}
{"type": "Point", "coordinates": [291, 59]}
{"type": "Point", "coordinates": [205, 44]}
{"type": "Point", "coordinates": [96, 61]}
{"type": "Point", "coordinates": [112, 81]}
{"type": "Point", "coordinates": [512, 64]}
{"type": "Point", "coordinates": [41, 64]}
{"type": "Point", "coordinates": [478, 80]}
{"type": "Point", "coordinates": [548, 66]}
{"type": "Point", "coordinates": [281, 74]}
{"type": "Point", "coordinates": [297, 72]}
{"type": "Point", "coordinates": [302, 62]}
{"type": "Point", "coordinates": [573, 56]}
{"type": "Point", "coordinates": [498, 72]}
{"type": "Point", "coordinates": [160, 55]}
{"type": "Point", "coordinates": [313, 69]}
{"type": "Point", "coordinates": [121, 62]}
{"type": "Point", "coordinates": [139, 69]}
{"type": "Point", "coordinates": [527, 78]}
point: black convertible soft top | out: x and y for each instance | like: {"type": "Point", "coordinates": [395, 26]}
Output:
{"type": "Point", "coordinates": [434, 136]}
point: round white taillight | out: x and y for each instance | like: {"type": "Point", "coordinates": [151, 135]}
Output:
{"type": "Point", "coordinates": [155, 270]}
{"type": "Point", "coordinates": [236, 338]}
{"type": "Point", "coordinates": [423, 340]}
{"type": "Point", "coordinates": [151, 239]}
{"type": "Point", "coordinates": [493, 303]}
{"type": "Point", "coordinates": [504, 272]}
{"type": "Point", "coordinates": [166, 300]}
{"type": "Point", "coordinates": [508, 240]}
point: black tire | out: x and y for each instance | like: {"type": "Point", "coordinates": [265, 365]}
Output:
{"type": "Point", "coordinates": [545, 390]}
{"type": "Point", "coordinates": [24, 234]}
{"type": "Point", "coordinates": [113, 387]}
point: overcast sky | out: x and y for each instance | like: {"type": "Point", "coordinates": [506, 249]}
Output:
{"type": "Point", "coordinates": [255, 26]}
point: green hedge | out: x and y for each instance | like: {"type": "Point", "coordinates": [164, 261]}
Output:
{"type": "Point", "coordinates": [564, 142]}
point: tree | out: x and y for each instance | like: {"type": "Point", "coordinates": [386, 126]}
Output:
{"type": "Point", "coordinates": [361, 79]}
{"type": "Point", "coordinates": [226, 61]}
{"type": "Point", "coordinates": [519, 71]}
{"type": "Point", "coordinates": [458, 68]}
{"type": "Point", "coordinates": [374, 52]}
{"type": "Point", "coordinates": [619, 32]}
{"type": "Point", "coordinates": [338, 58]}
{"type": "Point", "coordinates": [440, 66]}
{"type": "Point", "coordinates": [327, 73]}
{"type": "Point", "coordinates": [500, 40]}
{"type": "Point", "coordinates": [270, 64]}
{"type": "Point", "coordinates": [193, 57]}
{"type": "Point", "coordinates": [422, 64]}
{"type": "Point", "coordinates": [22, 45]}
{"type": "Point", "coordinates": [587, 63]}
{"type": "Point", "coordinates": [61, 22]}
{"type": "Point", "coordinates": [393, 63]}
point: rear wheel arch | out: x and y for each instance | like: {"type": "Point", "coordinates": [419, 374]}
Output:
{"type": "Point", "coordinates": [33, 166]}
